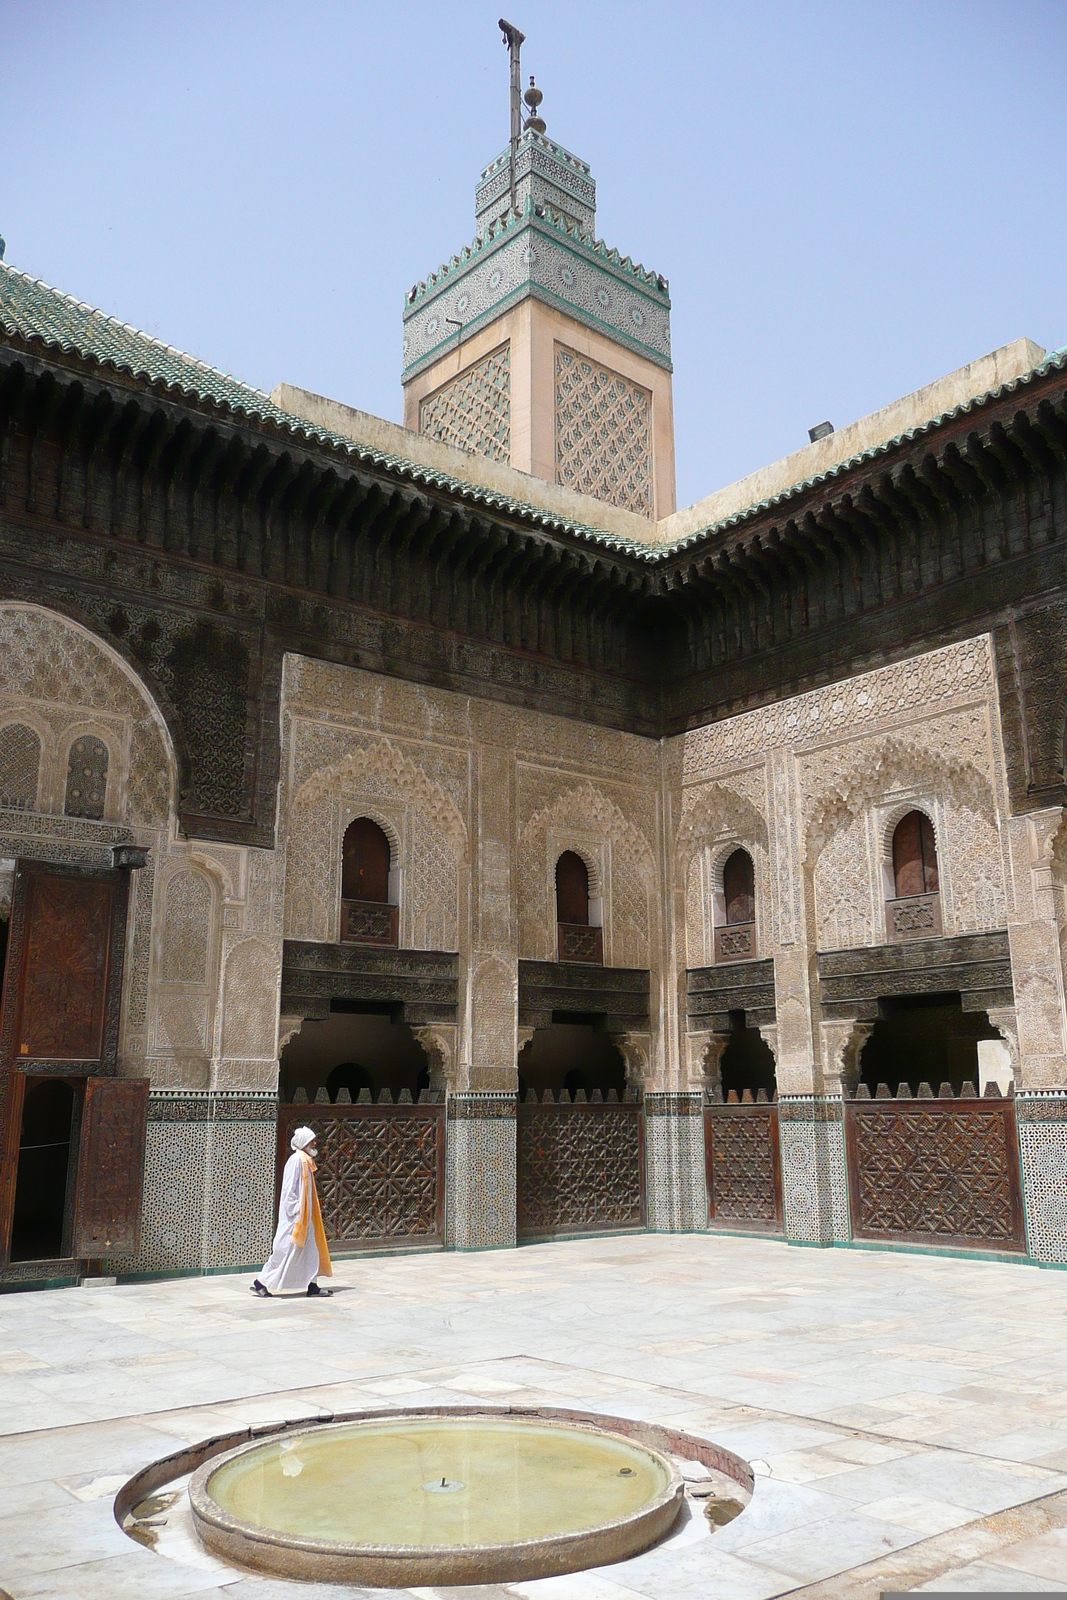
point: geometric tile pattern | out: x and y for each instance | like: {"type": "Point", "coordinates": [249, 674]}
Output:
{"type": "Point", "coordinates": [480, 1156]}
{"type": "Point", "coordinates": [240, 1201]}
{"type": "Point", "coordinates": [812, 1150]}
{"type": "Point", "coordinates": [208, 1197]}
{"type": "Point", "coordinates": [603, 433]}
{"type": "Point", "coordinates": [1042, 1122]}
{"type": "Point", "coordinates": [473, 412]}
{"type": "Point", "coordinates": [674, 1156]}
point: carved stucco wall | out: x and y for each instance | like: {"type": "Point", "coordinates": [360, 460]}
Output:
{"type": "Point", "coordinates": [479, 799]}
{"type": "Point", "coordinates": [192, 899]}
{"type": "Point", "coordinates": [813, 786]}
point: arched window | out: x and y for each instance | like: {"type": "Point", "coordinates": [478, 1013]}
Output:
{"type": "Point", "coordinates": [739, 888]}
{"type": "Point", "coordinates": [572, 890]}
{"type": "Point", "coordinates": [365, 862]}
{"type": "Point", "coordinates": [914, 912]}
{"type": "Point", "coordinates": [86, 778]}
{"type": "Point", "coordinates": [914, 856]}
{"type": "Point", "coordinates": [366, 857]}
{"type": "Point", "coordinates": [20, 762]}
{"type": "Point", "coordinates": [735, 938]}
{"type": "Point", "coordinates": [575, 939]}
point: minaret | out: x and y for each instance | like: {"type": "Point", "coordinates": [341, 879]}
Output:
{"type": "Point", "coordinates": [537, 345]}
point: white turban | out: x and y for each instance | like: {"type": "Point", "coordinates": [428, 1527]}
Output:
{"type": "Point", "coordinates": [302, 1138]}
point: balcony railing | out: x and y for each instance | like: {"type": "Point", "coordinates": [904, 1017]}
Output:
{"type": "Point", "coordinates": [369, 922]}
{"type": "Point", "coordinates": [576, 942]}
{"type": "Point", "coordinates": [917, 916]}
{"type": "Point", "coordinates": [736, 942]}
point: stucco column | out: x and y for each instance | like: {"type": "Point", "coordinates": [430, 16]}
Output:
{"type": "Point", "coordinates": [1034, 943]}
{"type": "Point", "coordinates": [481, 1113]}
{"type": "Point", "coordinates": [796, 1066]}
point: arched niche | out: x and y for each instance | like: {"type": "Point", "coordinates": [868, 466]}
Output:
{"type": "Point", "coordinates": [735, 930]}
{"type": "Point", "coordinates": [369, 913]}
{"type": "Point", "coordinates": [577, 939]}
{"type": "Point", "coordinates": [913, 903]}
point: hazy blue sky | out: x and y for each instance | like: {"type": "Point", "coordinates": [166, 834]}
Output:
{"type": "Point", "coordinates": [848, 199]}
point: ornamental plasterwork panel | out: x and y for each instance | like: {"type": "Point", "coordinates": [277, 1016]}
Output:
{"type": "Point", "coordinates": [885, 697]}
{"type": "Point", "coordinates": [586, 812]}
{"type": "Point", "coordinates": [717, 818]}
{"type": "Point", "coordinates": [79, 685]}
{"type": "Point", "coordinates": [473, 410]}
{"type": "Point", "coordinates": [603, 428]}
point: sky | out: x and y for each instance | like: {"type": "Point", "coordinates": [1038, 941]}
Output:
{"type": "Point", "coordinates": [848, 199]}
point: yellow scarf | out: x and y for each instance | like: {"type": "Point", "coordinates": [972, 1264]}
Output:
{"type": "Point", "coordinates": [309, 1204]}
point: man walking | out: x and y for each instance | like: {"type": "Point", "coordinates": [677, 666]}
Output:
{"type": "Point", "coordinates": [299, 1254]}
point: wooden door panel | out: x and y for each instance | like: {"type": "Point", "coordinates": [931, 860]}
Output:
{"type": "Point", "coordinates": [12, 1090]}
{"type": "Point", "coordinates": [65, 969]}
{"type": "Point", "coordinates": [107, 1214]}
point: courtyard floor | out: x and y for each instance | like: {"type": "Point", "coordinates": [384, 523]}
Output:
{"type": "Point", "coordinates": [906, 1415]}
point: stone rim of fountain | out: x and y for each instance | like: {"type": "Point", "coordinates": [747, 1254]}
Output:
{"type": "Point", "coordinates": [267, 1550]}
{"type": "Point", "coordinates": [670, 1442]}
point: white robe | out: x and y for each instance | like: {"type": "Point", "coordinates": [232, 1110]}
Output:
{"type": "Point", "coordinates": [291, 1266]}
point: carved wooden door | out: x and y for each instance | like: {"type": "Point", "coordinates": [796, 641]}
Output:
{"type": "Point", "coordinates": [62, 991]}
{"type": "Point", "coordinates": [107, 1208]}
{"type": "Point", "coordinates": [62, 986]}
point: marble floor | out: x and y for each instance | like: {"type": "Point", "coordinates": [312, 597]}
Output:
{"type": "Point", "coordinates": [905, 1415]}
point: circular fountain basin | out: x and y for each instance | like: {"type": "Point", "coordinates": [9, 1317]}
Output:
{"type": "Point", "coordinates": [420, 1499]}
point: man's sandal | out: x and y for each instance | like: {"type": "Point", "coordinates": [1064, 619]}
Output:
{"type": "Point", "coordinates": [261, 1290]}
{"type": "Point", "coordinates": [314, 1289]}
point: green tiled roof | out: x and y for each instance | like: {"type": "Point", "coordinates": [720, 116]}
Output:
{"type": "Point", "coordinates": [30, 309]}
{"type": "Point", "coordinates": [33, 310]}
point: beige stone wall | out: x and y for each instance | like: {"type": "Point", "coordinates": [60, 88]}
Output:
{"type": "Point", "coordinates": [202, 964]}
{"type": "Point", "coordinates": [814, 786]}
{"type": "Point", "coordinates": [479, 801]}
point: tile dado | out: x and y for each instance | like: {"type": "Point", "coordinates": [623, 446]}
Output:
{"type": "Point", "coordinates": [814, 1184]}
{"type": "Point", "coordinates": [1041, 1119]}
{"type": "Point", "coordinates": [481, 1153]}
{"type": "Point", "coordinates": [208, 1183]}
{"type": "Point", "coordinates": [677, 1200]}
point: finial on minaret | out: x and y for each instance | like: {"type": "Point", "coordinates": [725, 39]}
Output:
{"type": "Point", "coordinates": [514, 40]}
{"type": "Point", "coordinates": [535, 122]}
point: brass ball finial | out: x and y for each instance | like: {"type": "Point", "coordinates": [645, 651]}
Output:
{"type": "Point", "coordinates": [533, 97]}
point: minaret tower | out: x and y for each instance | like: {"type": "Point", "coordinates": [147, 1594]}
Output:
{"type": "Point", "coordinates": [537, 345]}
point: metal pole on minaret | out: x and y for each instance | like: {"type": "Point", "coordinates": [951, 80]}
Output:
{"type": "Point", "coordinates": [513, 39]}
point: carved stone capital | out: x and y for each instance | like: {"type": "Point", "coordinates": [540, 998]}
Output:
{"type": "Point", "coordinates": [705, 1052]}
{"type": "Point", "coordinates": [288, 1028]}
{"type": "Point", "coordinates": [439, 1043]}
{"type": "Point", "coordinates": [636, 1051]}
{"type": "Point", "coordinates": [842, 1045]}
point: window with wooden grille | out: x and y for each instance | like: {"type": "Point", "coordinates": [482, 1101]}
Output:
{"type": "Point", "coordinates": [576, 939]}
{"type": "Point", "coordinates": [86, 778]}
